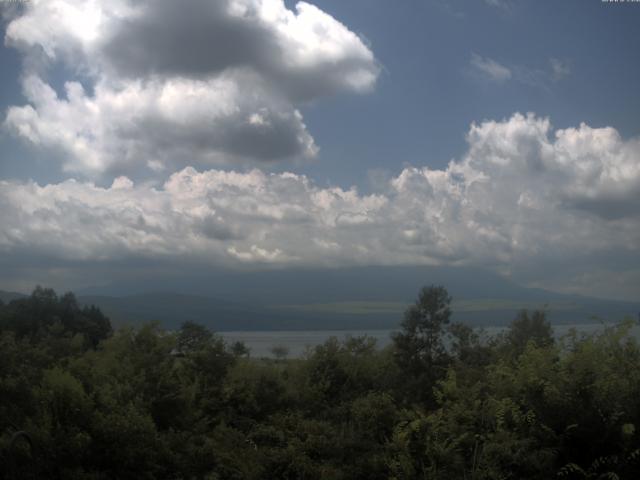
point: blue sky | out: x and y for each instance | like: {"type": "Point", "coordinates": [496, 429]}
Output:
{"type": "Point", "coordinates": [501, 134]}
{"type": "Point", "coordinates": [428, 95]}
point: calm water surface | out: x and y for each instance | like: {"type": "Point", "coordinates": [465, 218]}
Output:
{"type": "Point", "coordinates": [297, 342]}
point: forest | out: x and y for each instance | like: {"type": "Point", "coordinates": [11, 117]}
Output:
{"type": "Point", "coordinates": [80, 400]}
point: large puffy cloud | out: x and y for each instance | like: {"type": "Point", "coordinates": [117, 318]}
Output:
{"type": "Point", "coordinates": [524, 200]}
{"type": "Point", "coordinates": [160, 125]}
{"type": "Point", "coordinates": [199, 82]}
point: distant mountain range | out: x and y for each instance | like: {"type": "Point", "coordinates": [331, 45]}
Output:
{"type": "Point", "coordinates": [6, 297]}
{"type": "Point", "coordinates": [351, 298]}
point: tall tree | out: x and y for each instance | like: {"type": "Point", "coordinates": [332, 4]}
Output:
{"type": "Point", "coordinates": [526, 328]}
{"type": "Point", "coordinates": [419, 347]}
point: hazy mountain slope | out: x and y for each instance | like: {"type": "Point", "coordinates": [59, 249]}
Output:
{"type": "Point", "coordinates": [351, 298]}
{"type": "Point", "coordinates": [6, 297]}
{"type": "Point", "coordinates": [368, 297]}
{"type": "Point", "coordinates": [325, 285]}
{"type": "Point", "coordinates": [172, 309]}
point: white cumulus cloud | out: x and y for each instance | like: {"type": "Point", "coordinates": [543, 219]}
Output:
{"type": "Point", "coordinates": [524, 199]}
{"type": "Point", "coordinates": [169, 84]}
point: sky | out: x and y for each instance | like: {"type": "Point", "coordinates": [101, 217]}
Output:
{"type": "Point", "coordinates": [261, 134]}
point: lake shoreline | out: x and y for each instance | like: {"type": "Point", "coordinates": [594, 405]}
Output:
{"type": "Point", "coordinates": [260, 342]}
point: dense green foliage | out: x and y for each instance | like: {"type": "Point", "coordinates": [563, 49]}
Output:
{"type": "Point", "coordinates": [78, 401]}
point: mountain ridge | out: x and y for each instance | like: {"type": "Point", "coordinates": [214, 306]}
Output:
{"type": "Point", "coordinates": [350, 298]}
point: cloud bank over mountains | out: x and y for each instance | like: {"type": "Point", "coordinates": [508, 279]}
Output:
{"type": "Point", "coordinates": [162, 85]}
{"type": "Point", "coordinates": [524, 200]}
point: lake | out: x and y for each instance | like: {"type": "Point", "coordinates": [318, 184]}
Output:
{"type": "Point", "coordinates": [261, 342]}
